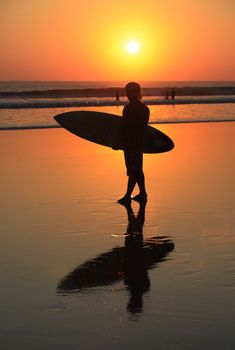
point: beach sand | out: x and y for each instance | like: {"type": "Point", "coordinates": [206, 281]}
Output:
{"type": "Point", "coordinates": [66, 276]}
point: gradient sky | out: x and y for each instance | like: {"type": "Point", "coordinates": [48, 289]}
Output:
{"type": "Point", "coordinates": [85, 39]}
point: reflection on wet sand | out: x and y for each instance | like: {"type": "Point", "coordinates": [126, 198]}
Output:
{"type": "Point", "coordinates": [129, 263]}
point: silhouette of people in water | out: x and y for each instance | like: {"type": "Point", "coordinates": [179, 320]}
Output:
{"type": "Point", "coordinates": [117, 95]}
{"type": "Point", "coordinates": [135, 121]}
{"type": "Point", "coordinates": [166, 95]}
{"type": "Point", "coordinates": [129, 263]}
{"type": "Point", "coordinates": [173, 94]}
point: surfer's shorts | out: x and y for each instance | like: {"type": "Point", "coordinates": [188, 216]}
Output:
{"type": "Point", "coordinates": [134, 163]}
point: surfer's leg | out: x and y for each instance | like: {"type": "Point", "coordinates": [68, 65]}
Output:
{"type": "Point", "coordinates": [140, 179]}
{"type": "Point", "coordinates": [134, 165]}
{"type": "Point", "coordinates": [141, 184]}
{"type": "Point", "coordinates": [129, 161]}
{"type": "Point", "coordinates": [142, 196]}
{"type": "Point", "coordinates": [130, 187]}
{"type": "Point", "coordinates": [131, 184]}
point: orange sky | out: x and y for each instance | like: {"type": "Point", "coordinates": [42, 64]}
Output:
{"type": "Point", "coordinates": [85, 40]}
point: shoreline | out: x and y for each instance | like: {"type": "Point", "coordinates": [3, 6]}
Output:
{"type": "Point", "coordinates": [55, 103]}
{"type": "Point", "coordinates": [111, 91]}
{"type": "Point", "coordinates": [15, 128]}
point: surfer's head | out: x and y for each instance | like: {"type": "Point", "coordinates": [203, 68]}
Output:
{"type": "Point", "coordinates": [133, 91]}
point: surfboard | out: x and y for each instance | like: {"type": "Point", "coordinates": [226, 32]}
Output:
{"type": "Point", "coordinates": [106, 129]}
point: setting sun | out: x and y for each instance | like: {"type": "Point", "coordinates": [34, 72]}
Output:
{"type": "Point", "coordinates": [132, 47]}
{"type": "Point", "coordinates": [97, 40]}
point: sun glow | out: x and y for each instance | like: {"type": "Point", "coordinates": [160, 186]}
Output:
{"type": "Point", "coordinates": [133, 47]}
{"type": "Point", "coordinates": [135, 52]}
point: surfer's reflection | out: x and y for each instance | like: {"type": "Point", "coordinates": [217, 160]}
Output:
{"type": "Point", "coordinates": [135, 269]}
{"type": "Point", "coordinates": [129, 263]}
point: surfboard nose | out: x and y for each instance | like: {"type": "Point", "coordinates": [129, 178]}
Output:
{"type": "Point", "coordinates": [161, 145]}
{"type": "Point", "coordinates": [58, 118]}
{"type": "Point", "coordinates": [66, 120]}
{"type": "Point", "coordinates": [171, 145]}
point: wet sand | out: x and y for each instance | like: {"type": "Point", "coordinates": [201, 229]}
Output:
{"type": "Point", "coordinates": [71, 278]}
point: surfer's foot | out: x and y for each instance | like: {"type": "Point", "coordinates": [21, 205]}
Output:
{"type": "Point", "coordinates": [141, 197]}
{"type": "Point", "coordinates": [125, 200]}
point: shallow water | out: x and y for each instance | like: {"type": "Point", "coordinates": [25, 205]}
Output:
{"type": "Point", "coordinates": [60, 221]}
{"type": "Point", "coordinates": [43, 117]}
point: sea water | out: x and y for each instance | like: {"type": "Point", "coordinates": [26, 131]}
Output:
{"type": "Point", "coordinates": [33, 104]}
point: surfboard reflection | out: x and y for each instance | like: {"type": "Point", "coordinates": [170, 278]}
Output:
{"type": "Point", "coordinates": [129, 263]}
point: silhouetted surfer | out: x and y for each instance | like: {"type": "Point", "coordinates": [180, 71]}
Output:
{"type": "Point", "coordinates": [135, 120]}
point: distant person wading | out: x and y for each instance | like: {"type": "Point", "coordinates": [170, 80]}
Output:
{"type": "Point", "coordinates": [135, 121]}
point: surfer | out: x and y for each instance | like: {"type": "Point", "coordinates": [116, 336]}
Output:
{"type": "Point", "coordinates": [135, 121]}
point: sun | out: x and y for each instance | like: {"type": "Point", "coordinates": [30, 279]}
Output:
{"type": "Point", "coordinates": [133, 47]}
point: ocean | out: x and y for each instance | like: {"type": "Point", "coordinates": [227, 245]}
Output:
{"type": "Point", "coordinates": [28, 105]}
